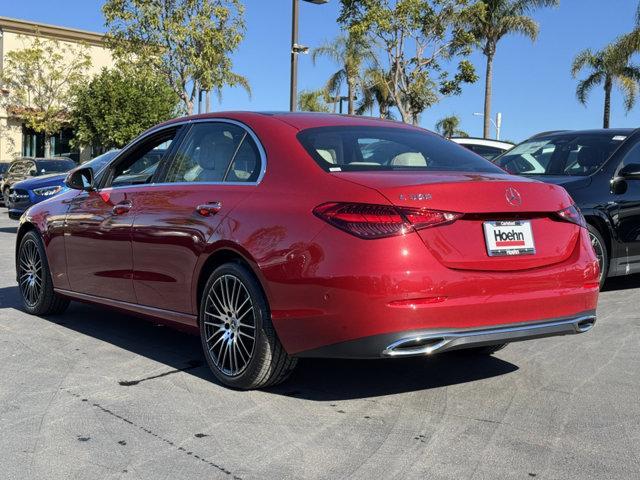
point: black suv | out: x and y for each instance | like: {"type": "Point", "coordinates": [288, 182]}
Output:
{"type": "Point", "coordinates": [601, 171]}
{"type": "Point", "coordinates": [24, 168]}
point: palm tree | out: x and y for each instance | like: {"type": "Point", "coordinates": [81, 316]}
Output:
{"type": "Point", "coordinates": [313, 101]}
{"type": "Point", "coordinates": [608, 67]}
{"type": "Point", "coordinates": [350, 52]}
{"type": "Point", "coordinates": [375, 90]}
{"type": "Point", "coordinates": [450, 127]}
{"type": "Point", "coordinates": [494, 20]}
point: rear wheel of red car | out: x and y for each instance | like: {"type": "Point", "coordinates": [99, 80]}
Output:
{"type": "Point", "coordinates": [238, 338]}
{"type": "Point", "coordinates": [34, 278]}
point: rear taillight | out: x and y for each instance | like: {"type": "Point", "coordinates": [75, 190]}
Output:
{"type": "Point", "coordinates": [572, 214]}
{"type": "Point", "coordinates": [378, 221]}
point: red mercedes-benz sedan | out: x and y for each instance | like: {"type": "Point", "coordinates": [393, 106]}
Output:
{"type": "Point", "coordinates": [281, 236]}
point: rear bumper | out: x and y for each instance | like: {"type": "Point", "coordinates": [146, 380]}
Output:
{"type": "Point", "coordinates": [431, 341]}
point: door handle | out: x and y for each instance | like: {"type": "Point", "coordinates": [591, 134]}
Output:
{"type": "Point", "coordinates": [122, 208]}
{"type": "Point", "coordinates": [208, 209]}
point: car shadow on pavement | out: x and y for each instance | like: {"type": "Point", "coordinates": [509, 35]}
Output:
{"type": "Point", "coordinates": [313, 379]}
{"type": "Point", "coordinates": [333, 380]}
{"type": "Point", "coordinates": [9, 229]}
{"type": "Point", "coordinates": [622, 283]}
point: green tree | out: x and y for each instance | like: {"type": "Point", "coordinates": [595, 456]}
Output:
{"type": "Point", "coordinates": [375, 91]}
{"type": "Point", "coordinates": [350, 52]}
{"type": "Point", "coordinates": [116, 106]}
{"type": "Point", "coordinates": [39, 79]}
{"type": "Point", "coordinates": [450, 127]}
{"type": "Point", "coordinates": [607, 67]}
{"type": "Point", "coordinates": [417, 39]}
{"type": "Point", "coordinates": [190, 42]}
{"type": "Point", "coordinates": [313, 101]}
{"type": "Point", "coordinates": [495, 19]}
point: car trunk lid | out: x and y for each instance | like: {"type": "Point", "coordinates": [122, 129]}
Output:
{"type": "Point", "coordinates": [482, 198]}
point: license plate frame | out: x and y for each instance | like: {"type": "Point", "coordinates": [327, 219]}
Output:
{"type": "Point", "coordinates": [514, 238]}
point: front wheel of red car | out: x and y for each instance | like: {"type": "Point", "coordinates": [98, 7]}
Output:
{"type": "Point", "coordinates": [238, 338]}
{"type": "Point", "coordinates": [34, 278]}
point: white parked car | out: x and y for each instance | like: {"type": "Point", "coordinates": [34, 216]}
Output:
{"type": "Point", "coordinates": [488, 149]}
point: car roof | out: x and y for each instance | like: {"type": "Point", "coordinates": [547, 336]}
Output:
{"type": "Point", "coordinates": [482, 141]}
{"type": "Point", "coordinates": [300, 120]}
{"type": "Point", "coordinates": [599, 131]}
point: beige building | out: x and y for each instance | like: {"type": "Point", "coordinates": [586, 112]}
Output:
{"type": "Point", "coordinates": [15, 139]}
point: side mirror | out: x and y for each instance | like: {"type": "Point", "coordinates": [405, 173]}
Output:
{"type": "Point", "coordinates": [630, 171]}
{"type": "Point", "coordinates": [33, 173]}
{"type": "Point", "coordinates": [81, 179]}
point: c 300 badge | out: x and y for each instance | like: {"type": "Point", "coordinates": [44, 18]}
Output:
{"type": "Point", "coordinates": [416, 197]}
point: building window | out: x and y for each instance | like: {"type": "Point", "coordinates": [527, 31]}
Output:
{"type": "Point", "coordinates": [33, 144]}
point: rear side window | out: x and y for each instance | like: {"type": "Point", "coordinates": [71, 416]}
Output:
{"type": "Point", "coordinates": [346, 149]}
{"type": "Point", "coordinates": [215, 152]}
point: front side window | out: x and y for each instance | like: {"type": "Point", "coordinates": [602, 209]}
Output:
{"type": "Point", "coordinates": [140, 166]}
{"type": "Point", "coordinates": [215, 152]}
{"type": "Point", "coordinates": [566, 154]}
{"type": "Point", "coordinates": [338, 149]}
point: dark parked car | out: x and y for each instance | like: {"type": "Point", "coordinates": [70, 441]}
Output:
{"type": "Point", "coordinates": [601, 171]}
{"type": "Point", "coordinates": [34, 190]}
{"type": "Point", "coordinates": [278, 236]}
{"type": "Point", "coordinates": [25, 168]}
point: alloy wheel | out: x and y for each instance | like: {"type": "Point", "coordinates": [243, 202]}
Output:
{"type": "Point", "coordinates": [599, 251]}
{"type": "Point", "coordinates": [30, 273]}
{"type": "Point", "coordinates": [230, 325]}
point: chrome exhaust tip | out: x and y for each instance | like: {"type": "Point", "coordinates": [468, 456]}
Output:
{"type": "Point", "coordinates": [412, 346]}
{"type": "Point", "coordinates": [585, 325]}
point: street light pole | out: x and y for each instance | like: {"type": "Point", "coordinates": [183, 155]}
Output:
{"type": "Point", "coordinates": [497, 123]}
{"type": "Point", "coordinates": [295, 50]}
{"type": "Point", "coordinates": [293, 97]}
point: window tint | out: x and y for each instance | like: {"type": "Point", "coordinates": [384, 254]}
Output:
{"type": "Point", "coordinates": [632, 156]}
{"type": "Point", "coordinates": [215, 152]}
{"type": "Point", "coordinates": [566, 154]}
{"type": "Point", "coordinates": [55, 166]}
{"type": "Point", "coordinates": [139, 166]}
{"type": "Point", "coordinates": [386, 148]}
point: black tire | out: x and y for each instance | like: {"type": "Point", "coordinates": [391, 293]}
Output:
{"type": "Point", "coordinates": [600, 249]}
{"type": "Point", "coordinates": [34, 278]}
{"type": "Point", "coordinates": [486, 350]}
{"type": "Point", "coordinates": [224, 324]}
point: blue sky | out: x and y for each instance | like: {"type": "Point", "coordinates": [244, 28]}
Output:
{"type": "Point", "coordinates": [532, 85]}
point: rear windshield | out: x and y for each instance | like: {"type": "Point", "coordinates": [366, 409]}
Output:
{"type": "Point", "coordinates": [374, 149]}
{"type": "Point", "coordinates": [566, 154]}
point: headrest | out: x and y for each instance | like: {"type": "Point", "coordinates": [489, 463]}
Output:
{"type": "Point", "coordinates": [216, 151]}
{"type": "Point", "coordinates": [409, 159]}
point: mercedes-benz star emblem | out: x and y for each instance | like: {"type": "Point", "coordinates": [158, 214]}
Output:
{"type": "Point", "coordinates": [513, 197]}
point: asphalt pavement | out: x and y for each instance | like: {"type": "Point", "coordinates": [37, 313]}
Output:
{"type": "Point", "coordinates": [94, 394]}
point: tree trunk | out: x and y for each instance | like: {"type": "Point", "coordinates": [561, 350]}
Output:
{"type": "Point", "coordinates": [488, 92]}
{"type": "Point", "coordinates": [351, 93]}
{"type": "Point", "coordinates": [608, 85]}
{"type": "Point", "coordinates": [207, 97]}
{"type": "Point", "coordinates": [47, 145]}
